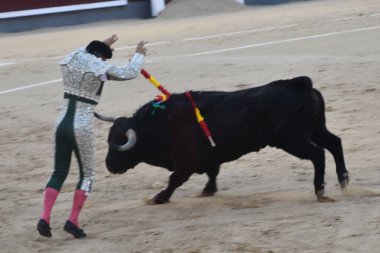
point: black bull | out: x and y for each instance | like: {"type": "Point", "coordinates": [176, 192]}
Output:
{"type": "Point", "coordinates": [286, 114]}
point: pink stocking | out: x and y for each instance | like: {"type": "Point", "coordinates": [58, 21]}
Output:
{"type": "Point", "coordinates": [79, 199]}
{"type": "Point", "coordinates": [50, 196]}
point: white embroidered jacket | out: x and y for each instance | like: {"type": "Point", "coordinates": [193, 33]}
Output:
{"type": "Point", "coordinates": [84, 74]}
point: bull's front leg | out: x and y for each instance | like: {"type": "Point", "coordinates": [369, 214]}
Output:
{"type": "Point", "coordinates": [176, 179]}
{"type": "Point", "coordinates": [211, 187]}
{"type": "Point", "coordinates": [183, 152]}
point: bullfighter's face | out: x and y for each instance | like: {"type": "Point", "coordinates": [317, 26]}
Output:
{"type": "Point", "coordinates": [121, 152]}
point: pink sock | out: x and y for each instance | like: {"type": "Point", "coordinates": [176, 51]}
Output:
{"type": "Point", "coordinates": [79, 199]}
{"type": "Point", "coordinates": [50, 195]}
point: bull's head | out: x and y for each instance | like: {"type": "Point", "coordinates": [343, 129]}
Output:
{"type": "Point", "coordinates": [122, 140]}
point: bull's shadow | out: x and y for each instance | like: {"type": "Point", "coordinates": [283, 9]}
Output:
{"type": "Point", "coordinates": [286, 114]}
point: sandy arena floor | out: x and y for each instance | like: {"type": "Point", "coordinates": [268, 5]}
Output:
{"type": "Point", "coordinates": [265, 201]}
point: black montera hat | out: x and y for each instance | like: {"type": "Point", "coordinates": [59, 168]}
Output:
{"type": "Point", "coordinates": [97, 47]}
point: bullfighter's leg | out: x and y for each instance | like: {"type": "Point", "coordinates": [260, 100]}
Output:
{"type": "Point", "coordinates": [62, 160]}
{"type": "Point", "coordinates": [85, 154]}
{"type": "Point", "coordinates": [305, 150]}
{"type": "Point", "coordinates": [333, 144]}
{"type": "Point", "coordinates": [211, 188]}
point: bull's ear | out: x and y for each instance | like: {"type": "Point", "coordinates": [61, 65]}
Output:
{"type": "Point", "coordinates": [104, 117]}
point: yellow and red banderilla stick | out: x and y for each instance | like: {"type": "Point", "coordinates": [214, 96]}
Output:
{"type": "Point", "coordinates": [165, 95]}
{"type": "Point", "coordinates": [200, 119]}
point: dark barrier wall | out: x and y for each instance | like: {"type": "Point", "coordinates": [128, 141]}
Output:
{"type": "Point", "coordinates": [16, 5]}
{"type": "Point", "coordinates": [134, 9]}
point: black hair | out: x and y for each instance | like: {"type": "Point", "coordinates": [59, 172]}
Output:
{"type": "Point", "coordinates": [99, 48]}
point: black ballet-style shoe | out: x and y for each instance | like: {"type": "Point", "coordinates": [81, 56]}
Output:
{"type": "Point", "coordinates": [44, 228]}
{"type": "Point", "coordinates": [72, 229]}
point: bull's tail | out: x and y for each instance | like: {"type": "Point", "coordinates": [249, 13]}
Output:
{"type": "Point", "coordinates": [287, 100]}
{"type": "Point", "coordinates": [320, 120]}
{"type": "Point", "coordinates": [305, 84]}
{"type": "Point", "coordinates": [303, 81]}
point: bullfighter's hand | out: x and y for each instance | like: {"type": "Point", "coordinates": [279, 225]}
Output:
{"type": "Point", "coordinates": [109, 41]}
{"type": "Point", "coordinates": [141, 47]}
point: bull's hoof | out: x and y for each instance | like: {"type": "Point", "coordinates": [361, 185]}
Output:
{"type": "Point", "coordinates": [320, 193]}
{"type": "Point", "coordinates": [344, 179]}
{"type": "Point", "coordinates": [344, 183]}
{"type": "Point", "coordinates": [206, 193]}
{"type": "Point", "coordinates": [153, 201]}
{"type": "Point", "coordinates": [321, 198]}
{"type": "Point", "coordinates": [325, 199]}
{"type": "Point", "coordinates": [160, 198]}
{"type": "Point", "coordinates": [149, 201]}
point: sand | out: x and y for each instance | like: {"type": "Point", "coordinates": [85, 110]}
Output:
{"type": "Point", "coordinates": [265, 201]}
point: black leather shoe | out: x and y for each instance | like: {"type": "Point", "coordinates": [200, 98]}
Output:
{"type": "Point", "coordinates": [71, 228]}
{"type": "Point", "coordinates": [44, 228]}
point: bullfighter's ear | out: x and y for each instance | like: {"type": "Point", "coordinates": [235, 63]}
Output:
{"type": "Point", "coordinates": [104, 117]}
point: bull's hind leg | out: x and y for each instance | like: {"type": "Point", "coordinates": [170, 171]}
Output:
{"type": "Point", "coordinates": [333, 144]}
{"type": "Point", "coordinates": [211, 188]}
{"type": "Point", "coordinates": [303, 149]}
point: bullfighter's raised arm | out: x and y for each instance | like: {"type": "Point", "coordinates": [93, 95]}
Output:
{"type": "Point", "coordinates": [132, 69]}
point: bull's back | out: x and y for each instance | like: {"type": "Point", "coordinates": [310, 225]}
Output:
{"type": "Point", "coordinates": [254, 107]}
{"type": "Point", "coordinates": [244, 121]}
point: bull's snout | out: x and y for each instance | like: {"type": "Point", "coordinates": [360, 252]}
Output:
{"type": "Point", "coordinates": [112, 168]}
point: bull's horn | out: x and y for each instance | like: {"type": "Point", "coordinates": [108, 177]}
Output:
{"type": "Point", "coordinates": [104, 118]}
{"type": "Point", "coordinates": [132, 138]}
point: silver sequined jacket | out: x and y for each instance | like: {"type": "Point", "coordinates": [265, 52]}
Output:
{"type": "Point", "coordinates": [84, 74]}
